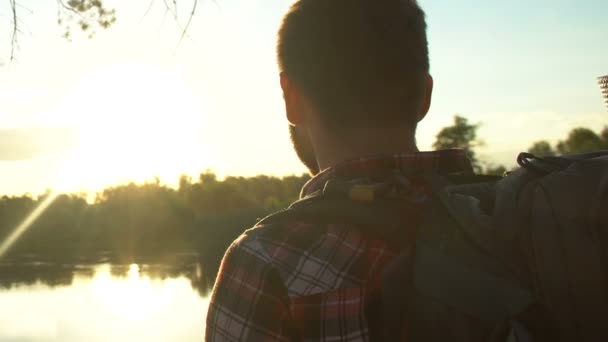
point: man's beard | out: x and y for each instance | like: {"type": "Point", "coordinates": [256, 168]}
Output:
{"type": "Point", "coordinates": [304, 150]}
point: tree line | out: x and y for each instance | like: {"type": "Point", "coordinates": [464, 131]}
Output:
{"type": "Point", "coordinates": [146, 223]}
{"type": "Point", "coordinates": [463, 134]}
{"type": "Point", "coordinates": [152, 223]}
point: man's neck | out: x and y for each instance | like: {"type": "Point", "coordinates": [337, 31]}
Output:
{"type": "Point", "coordinates": [331, 150]}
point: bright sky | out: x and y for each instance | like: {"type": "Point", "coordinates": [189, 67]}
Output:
{"type": "Point", "coordinates": [127, 105]}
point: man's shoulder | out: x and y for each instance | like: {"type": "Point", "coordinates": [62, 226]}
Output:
{"type": "Point", "coordinates": [269, 237]}
{"type": "Point", "coordinates": [314, 258]}
{"type": "Point", "coordinates": [283, 230]}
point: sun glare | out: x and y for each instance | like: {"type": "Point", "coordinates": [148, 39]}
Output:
{"type": "Point", "coordinates": [136, 122]}
{"type": "Point", "coordinates": [134, 298]}
{"type": "Point", "coordinates": [9, 241]}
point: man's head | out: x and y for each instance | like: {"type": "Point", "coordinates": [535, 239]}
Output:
{"type": "Point", "coordinates": [351, 65]}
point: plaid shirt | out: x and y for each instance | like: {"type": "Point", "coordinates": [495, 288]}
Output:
{"type": "Point", "coordinates": [303, 281]}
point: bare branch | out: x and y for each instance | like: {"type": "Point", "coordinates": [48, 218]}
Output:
{"type": "Point", "coordinates": [162, 23]}
{"type": "Point", "coordinates": [14, 39]}
{"type": "Point", "coordinates": [25, 8]}
{"type": "Point", "coordinates": [147, 11]}
{"type": "Point", "coordinates": [217, 4]}
{"type": "Point", "coordinates": [23, 26]}
{"type": "Point", "coordinates": [171, 7]}
{"type": "Point", "coordinates": [185, 30]}
{"type": "Point", "coordinates": [171, 10]}
{"type": "Point", "coordinates": [88, 15]}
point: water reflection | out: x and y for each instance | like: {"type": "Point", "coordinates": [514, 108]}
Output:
{"type": "Point", "coordinates": [51, 302]}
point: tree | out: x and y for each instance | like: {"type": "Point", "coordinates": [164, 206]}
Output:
{"type": "Point", "coordinates": [542, 148]}
{"type": "Point", "coordinates": [494, 170]}
{"type": "Point", "coordinates": [604, 137]}
{"type": "Point", "coordinates": [461, 134]}
{"type": "Point", "coordinates": [581, 140]}
{"type": "Point", "coordinates": [89, 16]}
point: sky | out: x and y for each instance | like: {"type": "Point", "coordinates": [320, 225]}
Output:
{"type": "Point", "coordinates": [133, 103]}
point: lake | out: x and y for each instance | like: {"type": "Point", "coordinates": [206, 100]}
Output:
{"type": "Point", "coordinates": [73, 303]}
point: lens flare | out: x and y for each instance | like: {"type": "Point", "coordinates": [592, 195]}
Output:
{"type": "Point", "coordinates": [26, 224]}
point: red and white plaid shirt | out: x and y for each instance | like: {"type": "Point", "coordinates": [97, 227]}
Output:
{"type": "Point", "coordinates": [306, 282]}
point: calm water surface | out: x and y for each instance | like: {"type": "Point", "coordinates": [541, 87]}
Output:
{"type": "Point", "coordinates": [100, 303]}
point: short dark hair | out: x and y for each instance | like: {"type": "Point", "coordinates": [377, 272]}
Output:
{"type": "Point", "coordinates": [359, 61]}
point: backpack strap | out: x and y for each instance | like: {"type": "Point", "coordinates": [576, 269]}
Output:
{"type": "Point", "coordinates": [551, 164]}
{"type": "Point", "coordinates": [468, 289]}
{"type": "Point", "coordinates": [466, 286]}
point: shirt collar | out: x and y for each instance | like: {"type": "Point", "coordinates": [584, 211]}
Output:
{"type": "Point", "coordinates": [451, 161]}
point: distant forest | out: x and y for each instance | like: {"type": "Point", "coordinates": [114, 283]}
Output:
{"type": "Point", "coordinates": [148, 223]}
{"type": "Point", "coordinates": [155, 224]}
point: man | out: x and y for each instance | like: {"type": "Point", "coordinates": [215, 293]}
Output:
{"type": "Point", "coordinates": [355, 79]}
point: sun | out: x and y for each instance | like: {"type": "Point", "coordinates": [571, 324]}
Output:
{"type": "Point", "coordinates": [136, 122]}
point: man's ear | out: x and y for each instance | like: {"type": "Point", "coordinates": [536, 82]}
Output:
{"type": "Point", "coordinates": [291, 97]}
{"type": "Point", "coordinates": [426, 100]}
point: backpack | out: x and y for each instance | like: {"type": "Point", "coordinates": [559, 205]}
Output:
{"type": "Point", "coordinates": [518, 259]}
{"type": "Point", "coordinates": [556, 212]}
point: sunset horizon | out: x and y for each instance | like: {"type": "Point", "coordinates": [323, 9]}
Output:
{"type": "Point", "coordinates": [131, 104]}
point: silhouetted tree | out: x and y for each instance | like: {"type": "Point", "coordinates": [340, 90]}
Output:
{"type": "Point", "coordinates": [604, 137]}
{"type": "Point", "coordinates": [579, 140]}
{"type": "Point", "coordinates": [88, 16]}
{"type": "Point", "coordinates": [147, 222]}
{"type": "Point", "coordinates": [494, 170]}
{"type": "Point", "coordinates": [542, 148]}
{"type": "Point", "coordinates": [154, 223]}
{"type": "Point", "coordinates": [461, 134]}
